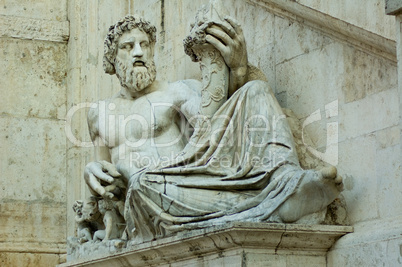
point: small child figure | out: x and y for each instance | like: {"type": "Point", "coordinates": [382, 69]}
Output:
{"type": "Point", "coordinates": [88, 218]}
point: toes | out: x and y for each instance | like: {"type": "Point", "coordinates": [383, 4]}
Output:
{"type": "Point", "coordinates": [329, 173]}
{"type": "Point", "coordinates": [338, 180]}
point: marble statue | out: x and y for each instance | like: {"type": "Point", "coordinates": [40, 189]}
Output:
{"type": "Point", "coordinates": [191, 154]}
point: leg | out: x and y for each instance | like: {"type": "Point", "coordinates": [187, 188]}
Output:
{"type": "Point", "coordinates": [316, 191]}
{"type": "Point", "coordinates": [99, 235]}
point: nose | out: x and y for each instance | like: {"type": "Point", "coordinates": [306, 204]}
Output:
{"type": "Point", "coordinates": [137, 51]}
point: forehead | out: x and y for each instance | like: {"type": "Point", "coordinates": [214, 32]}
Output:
{"type": "Point", "coordinates": [133, 35]}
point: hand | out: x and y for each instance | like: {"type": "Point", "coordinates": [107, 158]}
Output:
{"type": "Point", "coordinates": [100, 170]}
{"type": "Point", "coordinates": [228, 38]}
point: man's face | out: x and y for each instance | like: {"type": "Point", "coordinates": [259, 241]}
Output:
{"type": "Point", "coordinates": [134, 63]}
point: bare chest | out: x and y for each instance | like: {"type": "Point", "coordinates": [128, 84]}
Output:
{"type": "Point", "coordinates": [123, 121]}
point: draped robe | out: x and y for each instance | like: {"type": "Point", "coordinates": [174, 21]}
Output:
{"type": "Point", "coordinates": [239, 165]}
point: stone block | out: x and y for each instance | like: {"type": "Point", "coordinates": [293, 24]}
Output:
{"type": "Point", "coordinates": [29, 259]}
{"type": "Point", "coordinates": [34, 163]}
{"type": "Point", "coordinates": [310, 80]}
{"type": "Point", "coordinates": [389, 183]}
{"type": "Point", "coordinates": [50, 10]}
{"type": "Point", "coordinates": [366, 74]}
{"type": "Point", "coordinates": [263, 59]}
{"type": "Point", "coordinates": [367, 254]}
{"type": "Point", "coordinates": [257, 24]}
{"type": "Point", "coordinates": [294, 39]}
{"type": "Point", "coordinates": [394, 252]}
{"type": "Point", "coordinates": [393, 7]}
{"type": "Point", "coordinates": [357, 161]}
{"type": "Point", "coordinates": [301, 260]}
{"type": "Point", "coordinates": [373, 243]}
{"type": "Point", "coordinates": [33, 222]}
{"type": "Point", "coordinates": [368, 14]}
{"type": "Point", "coordinates": [370, 114]}
{"type": "Point", "coordinates": [234, 244]}
{"type": "Point", "coordinates": [34, 74]}
{"type": "Point", "coordinates": [388, 137]}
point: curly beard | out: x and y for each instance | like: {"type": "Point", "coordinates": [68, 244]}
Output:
{"type": "Point", "coordinates": [135, 79]}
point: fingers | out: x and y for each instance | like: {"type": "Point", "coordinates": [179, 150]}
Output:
{"type": "Point", "coordinates": [236, 26]}
{"type": "Point", "coordinates": [229, 30]}
{"type": "Point", "coordinates": [101, 175]}
{"type": "Point", "coordinates": [110, 168]}
{"type": "Point", "coordinates": [94, 184]}
{"type": "Point", "coordinates": [216, 43]}
{"type": "Point", "coordinates": [329, 172]}
{"type": "Point", "coordinates": [218, 33]}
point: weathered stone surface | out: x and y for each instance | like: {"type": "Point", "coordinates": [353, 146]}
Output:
{"type": "Point", "coordinates": [295, 39]}
{"type": "Point", "coordinates": [36, 148]}
{"type": "Point", "coordinates": [162, 194]}
{"type": "Point", "coordinates": [365, 74]}
{"type": "Point", "coordinates": [389, 190]}
{"type": "Point", "coordinates": [360, 117]}
{"type": "Point", "coordinates": [360, 184]}
{"type": "Point", "coordinates": [33, 69]}
{"type": "Point", "coordinates": [33, 222]}
{"type": "Point", "coordinates": [374, 243]}
{"type": "Point", "coordinates": [48, 10]}
{"type": "Point", "coordinates": [309, 79]}
{"type": "Point", "coordinates": [29, 259]}
{"type": "Point", "coordinates": [34, 74]}
{"type": "Point", "coordinates": [235, 244]}
{"type": "Point", "coordinates": [37, 29]}
{"type": "Point", "coordinates": [367, 94]}
{"type": "Point", "coordinates": [33, 193]}
{"type": "Point", "coordinates": [368, 15]}
{"type": "Point", "coordinates": [393, 7]}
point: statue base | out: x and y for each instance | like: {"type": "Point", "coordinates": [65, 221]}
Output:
{"type": "Point", "coordinates": [233, 244]}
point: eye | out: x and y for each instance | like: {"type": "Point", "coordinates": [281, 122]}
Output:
{"type": "Point", "coordinates": [144, 44]}
{"type": "Point", "coordinates": [128, 46]}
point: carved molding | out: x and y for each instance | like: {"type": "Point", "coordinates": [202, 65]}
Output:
{"type": "Point", "coordinates": [274, 239]}
{"type": "Point", "coordinates": [34, 29]}
{"type": "Point", "coordinates": [33, 247]}
{"type": "Point", "coordinates": [393, 7]}
{"type": "Point", "coordinates": [365, 40]}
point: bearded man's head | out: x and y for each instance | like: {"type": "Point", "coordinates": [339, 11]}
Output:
{"type": "Point", "coordinates": [132, 78]}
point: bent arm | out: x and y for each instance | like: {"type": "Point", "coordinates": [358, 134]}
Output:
{"type": "Point", "coordinates": [227, 36]}
{"type": "Point", "coordinates": [188, 99]}
{"type": "Point", "coordinates": [101, 169]}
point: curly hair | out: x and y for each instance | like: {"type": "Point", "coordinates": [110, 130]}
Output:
{"type": "Point", "coordinates": [115, 31]}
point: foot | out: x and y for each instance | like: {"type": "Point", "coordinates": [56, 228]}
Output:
{"type": "Point", "coordinates": [315, 192]}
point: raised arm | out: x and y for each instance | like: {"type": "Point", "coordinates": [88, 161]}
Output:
{"type": "Point", "coordinates": [227, 37]}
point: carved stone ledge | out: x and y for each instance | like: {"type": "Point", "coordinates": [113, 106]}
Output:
{"type": "Point", "coordinates": [237, 244]}
{"type": "Point", "coordinates": [343, 31]}
{"type": "Point", "coordinates": [393, 7]}
{"type": "Point", "coordinates": [34, 29]}
{"type": "Point", "coordinates": [32, 247]}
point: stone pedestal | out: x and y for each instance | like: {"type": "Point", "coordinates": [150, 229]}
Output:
{"type": "Point", "coordinates": [234, 244]}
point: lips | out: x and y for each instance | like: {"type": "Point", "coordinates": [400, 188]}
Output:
{"type": "Point", "coordinates": [139, 63]}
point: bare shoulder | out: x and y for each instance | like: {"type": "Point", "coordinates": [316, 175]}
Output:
{"type": "Point", "coordinates": [93, 116]}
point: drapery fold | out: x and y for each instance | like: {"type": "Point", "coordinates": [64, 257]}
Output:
{"type": "Point", "coordinates": [239, 165]}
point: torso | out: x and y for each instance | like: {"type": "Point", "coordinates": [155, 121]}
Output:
{"type": "Point", "coordinates": [141, 132]}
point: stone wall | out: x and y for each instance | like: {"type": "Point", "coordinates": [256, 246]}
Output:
{"type": "Point", "coordinates": [321, 57]}
{"type": "Point", "coordinates": [332, 62]}
{"type": "Point", "coordinates": [368, 14]}
{"type": "Point", "coordinates": [33, 71]}
{"type": "Point", "coordinates": [86, 83]}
